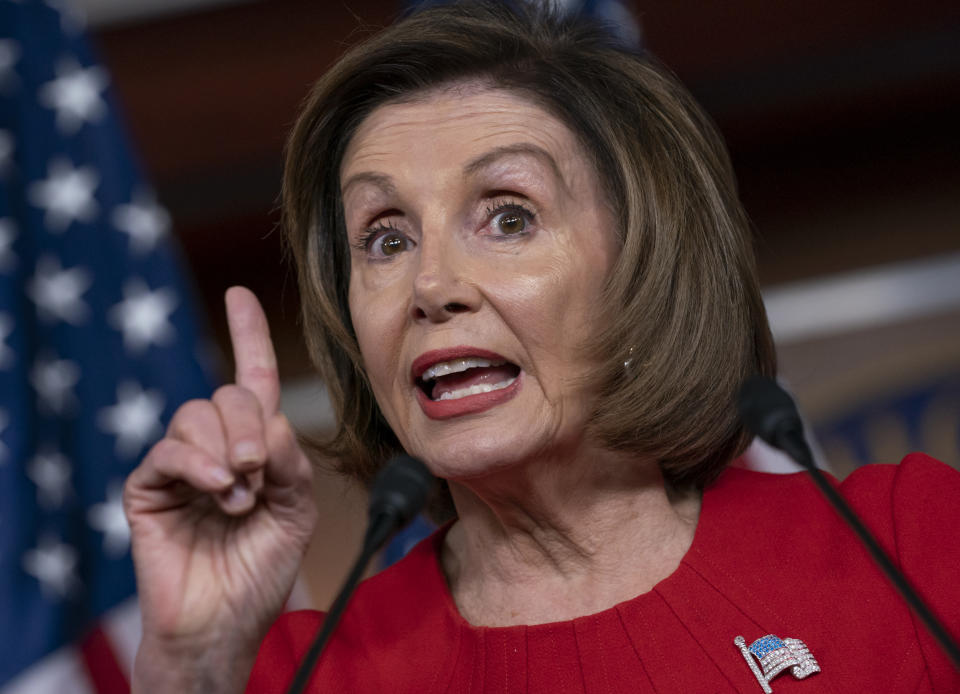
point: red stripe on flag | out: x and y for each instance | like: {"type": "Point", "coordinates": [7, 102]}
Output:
{"type": "Point", "coordinates": [101, 662]}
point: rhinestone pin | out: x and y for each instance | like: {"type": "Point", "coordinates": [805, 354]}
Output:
{"type": "Point", "coordinates": [770, 655]}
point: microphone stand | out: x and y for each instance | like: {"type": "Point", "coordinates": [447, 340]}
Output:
{"type": "Point", "coordinates": [397, 495]}
{"type": "Point", "coordinates": [770, 413]}
{"type": "Point", "coordinates": [380, 526]}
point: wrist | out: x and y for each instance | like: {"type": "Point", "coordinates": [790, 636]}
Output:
{"type": "Point", "coordinates": [163, 666]}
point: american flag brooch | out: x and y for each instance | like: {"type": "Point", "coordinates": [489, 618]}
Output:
{"type": "Point", "coordinates": [770, 655]}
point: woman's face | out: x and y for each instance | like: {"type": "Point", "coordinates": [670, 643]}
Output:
{"type": "Point", "coordinates": [480, 244]}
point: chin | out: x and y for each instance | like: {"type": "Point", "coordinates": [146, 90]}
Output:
{"type": "Point", "coordinates": [476, 454]}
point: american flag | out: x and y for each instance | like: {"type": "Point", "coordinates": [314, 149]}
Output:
{"type": "Point", "coordinates": [98, 345]}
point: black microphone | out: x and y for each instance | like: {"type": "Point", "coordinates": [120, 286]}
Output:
{"type": "Point", "coordinates": [770, 413]}
{"type": "Point", "coordinates": [398, 493]}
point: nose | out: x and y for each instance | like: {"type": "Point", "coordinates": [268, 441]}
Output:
{"type": "Point", "coordinates": [443, 286]}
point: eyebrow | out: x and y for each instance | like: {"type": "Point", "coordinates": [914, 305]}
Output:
{"type": "Point", "coordinates": [381, 181]}
{"type": "Point", "coordinates": [521, 148]}
{"type": "Point", "coordinates": [385, 183]}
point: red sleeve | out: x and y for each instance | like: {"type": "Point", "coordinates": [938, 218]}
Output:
{"type": "Point", "coordinates": [926, 516]}
{"type": "Point", "coordinates": [280, 653]}
{"type": "Point", "coordinates": [921, 530]}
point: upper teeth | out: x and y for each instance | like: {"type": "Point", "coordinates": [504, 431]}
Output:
{"type": "Point", "coordinates": [445, 368]}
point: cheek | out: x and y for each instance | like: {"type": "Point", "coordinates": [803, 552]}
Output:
{"type": "Point", "coordinates": [556, 308]}
{"type": "Point", "coordinates": [375, 325]}
{"type": "Point", "coordinates": [536, 303]}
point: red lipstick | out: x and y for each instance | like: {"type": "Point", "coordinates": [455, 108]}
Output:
{"type": "Point", "coordinates": [470, 404]}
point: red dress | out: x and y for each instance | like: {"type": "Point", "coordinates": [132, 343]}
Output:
{"type": "Point", "coordinates": [768, 557]}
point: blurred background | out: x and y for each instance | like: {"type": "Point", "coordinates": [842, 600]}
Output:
{"type": "Point", "coordinates": [841, 118]}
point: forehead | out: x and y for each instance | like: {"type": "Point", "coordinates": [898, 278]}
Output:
{"type": "Point", "coordinates": [456, 125]}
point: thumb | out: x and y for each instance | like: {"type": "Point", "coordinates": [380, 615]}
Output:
{"type": "Point", "coordinates": [288, 469]}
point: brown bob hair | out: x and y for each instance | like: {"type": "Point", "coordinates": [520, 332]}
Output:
{"type": "Point", "coordinates": [682, 304]}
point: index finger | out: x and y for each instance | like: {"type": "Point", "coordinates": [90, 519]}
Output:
{"type": "Point", "coordinates": [252, 349]}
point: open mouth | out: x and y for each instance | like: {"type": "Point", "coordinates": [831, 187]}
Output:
{"type": "Point", "coordinates": [463, 377]}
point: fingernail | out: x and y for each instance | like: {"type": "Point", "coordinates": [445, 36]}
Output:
{"type": "Point", "coordinates": [239, 495]}
{"type": "Point", "coordinates": [221, 476]}
{"type": "Point", "coordinates": [247, 452]}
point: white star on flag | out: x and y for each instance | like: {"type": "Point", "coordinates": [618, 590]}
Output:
{"type": "Point", "coordinates": [50, 471]}
{"type": "Point", "coordinates": [143, 316]}
{"type": "Point", "coordinates": [53, 564]}
{"type": "Point", "coordinates": [4, 451]}
{"type": "Point", "coordinates": [8, 232]}
{"type": "Point", "coordinates": [75, 95]}
{"type": "Point", "coordinates": [9, 55]}
{"type": "Point", "coordinates": [144, 220]}
{"type": "Point", "coordinates": [57, 292]}
{"type": "Point", "coordinates": [109, 518]}
{"type": "Point", "coordinates": [66, 194]}
{"type": "Point", "coordinates": [7, 145]}
{"type": "Point", "coordinates": [134, 420]}
{"type": "Point", "coordinates": [53, 379]}
{"type": "Point", "coordinates": [6, 352]}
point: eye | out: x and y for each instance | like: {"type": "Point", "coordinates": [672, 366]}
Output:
{"type": "Point", "coordinates": [383, 241]}
{"type": "Point", "coordinates": [389, 244]}
{"type": "Point", "coordinates": [510, 223]}
{"type": "Point", "coordinates": [510, 219]}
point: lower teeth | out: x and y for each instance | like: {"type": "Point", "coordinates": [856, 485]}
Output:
{"type": "Point", "coordinates": [475, 390]}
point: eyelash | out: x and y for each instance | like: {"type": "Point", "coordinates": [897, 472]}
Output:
{"type": "Point", "coordinates": [501, 206]}
{"type": "Point", "coordinates": [369, 235]}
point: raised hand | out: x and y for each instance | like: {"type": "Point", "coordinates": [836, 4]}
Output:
{"type": "Point", "coordinates": [221, 511]}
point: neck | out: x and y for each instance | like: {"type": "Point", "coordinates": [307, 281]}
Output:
{"type": "Point", "coordinates": [557, 538]}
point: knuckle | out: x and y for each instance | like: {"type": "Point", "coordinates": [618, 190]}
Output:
{"type": "Point", "coordinates": [191, 410]}
{"type": "Point", "coordinates": [229, 391]}
{"type": "Point", "coordinates": [194, 458]}
{"type": "Point", "coordinates": [261, 372]}
{"type": "Point", "coordinates": [179, 460]}
{"type": "Point", "coordinates": [198, 422]}
{"type": "Point", "coordinates": [304, 469]}
{"type": "Point", "coordinates": [149, 461]}
{"type": "Point", "coordinates": [167, 455]}
{"type": "Point", "coordinates": [280, 429]}
{"type": "Point", "coordinates": [194, 407]}
{"type": "Point", "coordinates": [127, 491]}
{"type": "Point", "coordinates": [162, 450]}
{"type": "Point", "coordinates": [237, 399]}
{"type": "Point", "coordinates": [131, 499]}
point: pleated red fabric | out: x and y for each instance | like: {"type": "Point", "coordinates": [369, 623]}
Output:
{"type": "Point", "coordinates": [768, 557]}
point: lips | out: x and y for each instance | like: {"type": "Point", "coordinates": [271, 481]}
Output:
{"type": "Point", "coordinates": [463, 380]}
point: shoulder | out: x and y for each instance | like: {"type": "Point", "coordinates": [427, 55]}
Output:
{"type": "Point", "coordinates": [915, 509]}
{"type": "Point", "coordinates": [907, 506]}
{"type": "Point", "coordinates": [916, 481]}
{"type": "Point", "coordinates": [774, 545]}
{"type": "Point", "coordinates": [876, 491]}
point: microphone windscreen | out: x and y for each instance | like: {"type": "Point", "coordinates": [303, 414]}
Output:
{"type": "Point", "coordinates": [766, 409]}
{"type": "Point", "coordinates": [400, 489]}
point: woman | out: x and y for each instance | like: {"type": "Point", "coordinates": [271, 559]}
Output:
{"type": "Point", "coordinates": [522, 260]}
